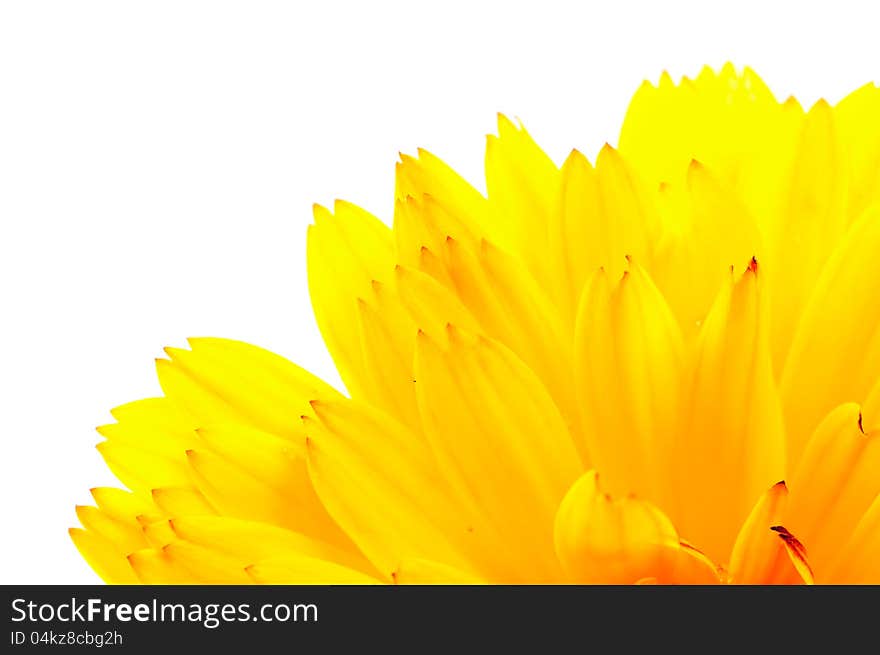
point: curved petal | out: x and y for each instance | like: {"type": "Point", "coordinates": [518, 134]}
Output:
{"type": "Point", "coordinates": [835, 355]}
{"type": "Point", "coordinates": [523, 186]}
{"type": "Point", "coordinates": [629, 362]}
{"type": "Point", "coordinates": [346, 252]}
{"type": "Point", "coordinates": [500, 439]}
{"type": "Point", "coordinates": [380, 483]}
{"type": "Point", "coordinates": [603, 540]}
{"type": "Point", "coordinates": [833, 486]}
{"type": "Point", "coordinates": [732, 445]}
{"type": "Point", "coordinates": [765, 552]}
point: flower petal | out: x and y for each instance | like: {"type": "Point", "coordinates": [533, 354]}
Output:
{"type": "Point", "coordinates": [629, 360]}
{"type": "Point", "coordinates": [603, 540]}
{"type": "Point", "coordinates": [499, 438]}
{"type": "Point", "coordinates": [835, 355]}
{"type": "Point", "coordinates": [346, 251]}
{"type": "Point", "coordinates": [104, 556]}
{"type": "Point", "coordinates": [251, 541]}
{"type": "Point", "coordinates": [833, 486]}
{"type": "Point", "coordinates": [811, 215]}
{"type": "Point", "coordinates": [731, 447]}
{"type": "Point", "coordinates": [858, 562]}
{"type": "Point", "coordinates": [523, 186]}
{"type": "Point", "coordinates": [859, 131]}
{"type": "Point", "coordinates": [605, 215]}
{"type": "Point", "coordinates": [221, 380]}
{"type": "Point", "coordinates": [379, 481]}
{"type": "Point", "coordinates": [301, 570]}
{"type": "Point", "coordinates": [765, 552]}
{"type": "Point", "coordinates": [708, 230]}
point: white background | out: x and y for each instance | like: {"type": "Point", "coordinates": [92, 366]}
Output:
{"type": "Point", "coordinates": [158, 161]}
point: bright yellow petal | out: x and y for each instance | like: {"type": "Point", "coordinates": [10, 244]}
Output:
{"type": "Point", "coordinates": [380, 483]}
{"type": "Point", "coordinates": [606, 214]}
{"type": "Point", "coordinates": [835, 356]}
{"type": "Point", "coordinates": [833, 486]}
{"type": "Point", "coordinates": [858, 562]}
{"type": "Point", "coordinates": [388, 336]}
{"type": "Point", "coordinates": [523, 186]}
{"type": "Point", "coordinates": [346, 252]}
{"type": "Point", "coordinates": [155, 567]}
{"type": "Point", "coordinates": [513, 309]}
{"type": "Point", "coordinates": [220, 380]}
{"type": "Point", "coordinates": [103, 556]}
{"type": "Point", "coordinates": [812, 215]}
{"type": "Point", "coordinates": [205, 564]}
{"type": "Point", "coordinates": [765, 552]}
{"type": "Point", "coordinates": [629, 360]}
{"type": "Point", "coordinates": [273, 469]}
{"type": "Point", "coordinates": [722, 119]}
{"type": "Point", "coordinates": [732, 445]}
{"type": "Point", "coordinates": [605, 540]}
{"type": "Point", "coordinates": [500, 439]}
{"type": "Point", "coordinates": [123, 505]}
{"type": "Point", "coordinates": [859, 132]}
{"type": "Point", "coordinates": [301, 570]}
{"type": "Point", "coordinates": [430, 304]}
{"type": "Point", "coordinates": [708, 230]}
{"type": "Point", "coordinates": [251, 541]}
{"type": "Point", "coordinates": [182, 501]}
{"type": "Point", "coordinates": [423, 572]}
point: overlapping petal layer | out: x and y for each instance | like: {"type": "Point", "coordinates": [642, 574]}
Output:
{"type": "Point", "coordinates": [591, 374]}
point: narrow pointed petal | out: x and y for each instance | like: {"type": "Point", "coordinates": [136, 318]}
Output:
{"type": "Point", "coordinates": [499, 438]}
{"type": "Point", "coordinates": [346, 251]}
{"type": "Point", "coordinates": [833, 486]}
{"type": "Point", "coordinates": [732, 445]}
{"type": "Point", "coordinates": [765, 552]}
{"type": "Point", "coordinates": [146, 447]}
{"type": "Point", "coordinates": [182, 501]}
{"type": "Point", "coordinates": [709, 229]}
{"type": "Point", "coordinates": [513, 309]}
{"type": "Point", "coordinates": [380, 483]}
{"type": "Point", "coordinates": [835, 355]}
{"type": "Point", "coordinates": [122, 505]}
{"type": "Point", "coordinates": [220, 380]}
{"type": "Point", "coordinates": [812, 215]}
{"type": "Point", "coordinates": [272, 468]}
{"type": "Point", "coordinates": [103, 556]}
{"type": "Point", "coordinates": [426, 221]}
{"type": "Point", "coordinates": [125, 535]}
{"type": "Point", "coordinates": [523, 186]}
{"type": "Point", "coordinates": [239, 493]}
{"type": "Point", "coordinates": [606, 214]}
{"type": "Point", "coordinates": [428, 175]}
{"type": "Point", "coordinates": [388, 337]}
{"type": "Point", "coordinates": [205, 564]}
{"type": "Point", "coordinates": [251, 541]}
{"type": "Point", "coordinates": [431, 305]}
{"type": "Point", "coordinates": [720, 119]}
{"type": "Point", "coordinates": [629, 360]}
{"type": "Point", "coordinates": [155, 567]}
{"type": "Point", "coordinates": [141, 470]}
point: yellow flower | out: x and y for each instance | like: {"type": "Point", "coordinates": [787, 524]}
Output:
{"type": "Point", "coordinates": [592, 374]}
